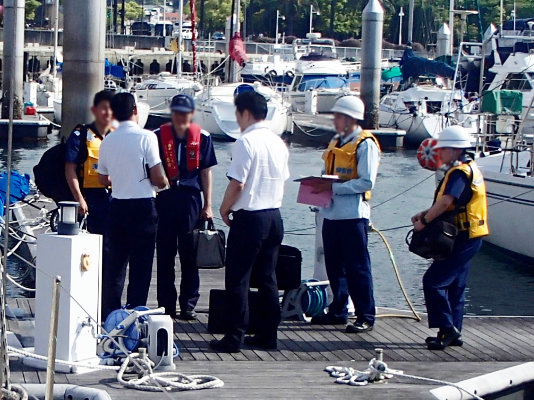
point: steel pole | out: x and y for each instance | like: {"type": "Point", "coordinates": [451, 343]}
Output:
{"type": "Point", "coordinates": [311, 18]}
{"type": "Point", "coordinates": [451, 26]}
{"type": "Point", "coordinates": [56, 35]}
{"type": "Point", "coordinates": [372, 30]}
{"type": "Point", "coordinates": [83, 60]}
{"type": "Point", "coordinates": [180, 39]}
{"type": "Point", "coordinates": [411, 7]}
{"type": "Point", "coordinates": [276, 32]}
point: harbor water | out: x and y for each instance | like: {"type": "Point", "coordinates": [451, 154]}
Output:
{"type": "Point", "coordinates": [499, 284]}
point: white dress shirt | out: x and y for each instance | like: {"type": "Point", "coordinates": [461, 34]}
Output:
{"type": "Point", "coordinates": [259, 161]}
{"type": "Point", "coordinates": [126, 155]}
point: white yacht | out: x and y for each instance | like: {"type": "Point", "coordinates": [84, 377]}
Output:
{"type": "Point", "coordinates": [510, 188]}
{"type": "Point", "coordinates": [516, 73]}
{"type": "Point", "coordinates": [159, 90]}
{"type": "Point", "coordinates": [215, 110]}
{"type": "Point", "coordinates": [324, 77]}
{"type": "Point", "coordinates": [424, 111]}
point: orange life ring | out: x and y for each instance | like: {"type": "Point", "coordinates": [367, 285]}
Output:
{"type": "Point", "coordinates": [427, 155]}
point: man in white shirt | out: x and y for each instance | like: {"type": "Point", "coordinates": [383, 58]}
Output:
{"type": "Point", "coordinates": [130, 160]}
{"type": "Point", "coordinates": [253, 198]}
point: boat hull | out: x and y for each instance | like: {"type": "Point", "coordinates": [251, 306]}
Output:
{"type": "Point", "coordinates": [511, 212]}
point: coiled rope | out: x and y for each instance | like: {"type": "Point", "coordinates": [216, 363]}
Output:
{"type": "Point", "coordinates": [16, 392]}
{"type": "Point", "coordinates": [165, 381]}
{"type": "Point", "coordinates": [378, 370]}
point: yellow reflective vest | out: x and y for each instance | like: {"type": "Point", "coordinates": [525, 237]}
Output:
{"type": "Point", "coordinates": [90, 166]}
{"type": "Point", "coordinates": [474, 217]}
{"type": "Point", "coordinates": [343, 161]}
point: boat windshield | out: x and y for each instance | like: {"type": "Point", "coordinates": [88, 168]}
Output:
{"type": "Point", "coordinates": [309, 82]}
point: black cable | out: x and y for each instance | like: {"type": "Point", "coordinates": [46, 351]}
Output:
{"type": "Point", "coordinates": [404, 191]}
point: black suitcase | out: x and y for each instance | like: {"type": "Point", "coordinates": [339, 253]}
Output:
{"type": "Point", "coordinates": [217, 318]}
{"type": "Point", "coordinates": [288, 269]}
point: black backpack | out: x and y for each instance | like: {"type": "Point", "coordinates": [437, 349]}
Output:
{"type": "Point", "coordinates": [50, 174]}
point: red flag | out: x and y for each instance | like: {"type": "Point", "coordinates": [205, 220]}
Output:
{"type": "Point", "coordinates": [237, 49]}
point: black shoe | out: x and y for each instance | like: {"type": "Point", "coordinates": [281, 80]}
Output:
{"type": "Point", "coordinates": [224, 346]}
{"type": "Point", "coordinates": [255, 341]}
{"type": "Point", "coordinates": [457, 343]}
{"type": "Point", "coordinates": [360, 326]}
{"type": "Point", "coordinates": [445, 338]}
{"type": "Point", "coordinates": [189, 315]}
{"type": "Point", "coordinates": [328, 319]}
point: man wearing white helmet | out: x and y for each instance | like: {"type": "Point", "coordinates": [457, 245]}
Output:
{"type": "Point", "coordinates": [460, 198]}
{"type": "Point", "coordinates": [353, 155]}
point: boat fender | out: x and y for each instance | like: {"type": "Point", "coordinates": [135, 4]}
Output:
{"type": "Point", "coordinates": [427, 154]}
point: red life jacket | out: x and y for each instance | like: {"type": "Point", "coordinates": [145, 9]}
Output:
{"type": "Point", "coordinates": [168, 147]}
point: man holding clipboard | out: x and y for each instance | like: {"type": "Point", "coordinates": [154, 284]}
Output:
{"type": "Point", "coordinates": [352, 157]}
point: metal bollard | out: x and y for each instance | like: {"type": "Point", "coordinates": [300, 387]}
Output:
{"type": "Point", "coordinates": [52, 341]}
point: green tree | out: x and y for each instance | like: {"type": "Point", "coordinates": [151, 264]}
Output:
{"type": "Point", "coordinates": [31, 7]}
{"type": "Point", "coordinates": [133, 11]}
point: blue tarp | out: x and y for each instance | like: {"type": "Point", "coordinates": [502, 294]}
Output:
{"type": "Point", "coordinates": [20, 187]}
{"type": "Point", "coordinates": [413, 66]}
{"type": "Point", "coordinates": [115, 70]}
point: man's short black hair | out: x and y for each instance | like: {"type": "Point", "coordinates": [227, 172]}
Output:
{"type": "Point", "coordinates": [103, 95]}
{"type": "Point", "coordinates": [252, 101]}
{"type": "Point", "coordinates": [123, 105]}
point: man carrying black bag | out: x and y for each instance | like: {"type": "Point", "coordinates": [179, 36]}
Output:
{"type": "Point", "coordinates": [253, 198]}
{"type": "Point", "coordinates": [462, 193]}
{"type": "Point", "coordinates": [188, 155]}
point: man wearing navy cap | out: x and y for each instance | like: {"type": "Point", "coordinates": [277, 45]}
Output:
{"type": "Point", "coordinates": [188, 155]}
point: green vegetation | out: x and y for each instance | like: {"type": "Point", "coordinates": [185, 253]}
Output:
{"type": "Point", "coordinates": [31, 7]}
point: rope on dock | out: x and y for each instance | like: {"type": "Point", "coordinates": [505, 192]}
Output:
{"type": "Point", "coordinates": [377, 371]}
{"type": "Point", "coordinates": [15, 393]}
{"type": "Point", "coordinates": [399, 280]}
{"type": "Point", "coordinates": [166, 381]}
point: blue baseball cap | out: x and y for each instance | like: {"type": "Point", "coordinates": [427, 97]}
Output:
{"type": "Point", "coordinates": [183, 103]}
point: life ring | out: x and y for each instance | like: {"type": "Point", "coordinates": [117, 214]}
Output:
{"type": "Point", "coordinates": [290, 74]}
{"type": "Point", "coordinates": [272, 73]}
{"type": "Point", "coordinates": [427, 154]}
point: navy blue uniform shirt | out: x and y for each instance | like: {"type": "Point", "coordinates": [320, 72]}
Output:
{"type": "Point", "coordinates": [208, 159]}
{"type": "Point", "coordinates": [76, 147]}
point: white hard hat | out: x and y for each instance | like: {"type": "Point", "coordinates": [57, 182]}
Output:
{"type": "Point", "coordinates": [454, 136]}
{"type": "Point", "coordinates": [351, 106]}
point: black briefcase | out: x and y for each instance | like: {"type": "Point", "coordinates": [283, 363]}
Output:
{"type": "Point", "coordinates": [288, 269]}
{"type": "Point", "coordinates": [217, 317]}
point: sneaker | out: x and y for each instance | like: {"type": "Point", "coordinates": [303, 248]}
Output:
{"type": "Point", "coordinates": [224, 346]}
{"type": "Point", "coordinates": [360, 326]}
{"type": "Point", "coordinates": [188, 315]}
{"type": "Point", "coordinates": [255, 341]}
{"type": "Point", "coordinates": [457, 343]}
{"type": "Point", "coordinates": [328, 319]}
{"type": "Point", "coordinates": [445, 338]}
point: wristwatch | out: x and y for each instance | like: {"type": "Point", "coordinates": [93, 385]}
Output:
{"type": "Point", "coordinates": [424, 221]}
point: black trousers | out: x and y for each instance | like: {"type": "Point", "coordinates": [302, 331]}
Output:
{"type": "Point", "coordinates": [132, 235]}
{"type": "Point", "coordinates": [99, 203]}
{"type": "Point", "coordinates": [254, 241]}
{"type": "Point", "coordinates": [348, 267]}
{"type": "Point", "coordinates": [178, 212]}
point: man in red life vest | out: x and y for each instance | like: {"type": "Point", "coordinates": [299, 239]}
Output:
{"type": "Point", "coordinates": [187, 154]}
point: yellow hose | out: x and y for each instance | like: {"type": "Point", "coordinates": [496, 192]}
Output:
{"type": "Point", "coordinates": [399, 280]}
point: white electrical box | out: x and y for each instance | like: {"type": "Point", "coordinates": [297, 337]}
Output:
{"type": "Point", "coordinates": [77, 259]}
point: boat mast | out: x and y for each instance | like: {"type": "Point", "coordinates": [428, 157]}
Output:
{"type": "Point", "coordinates": [410, 21]}
{"type": "Point", "coordinates": [451, 25]}
{"type": "Point", "coordinates": [180, 39]}
{"type": "Point", "coordinates": [56, 28]}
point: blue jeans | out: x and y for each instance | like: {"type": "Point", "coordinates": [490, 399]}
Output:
{"type": "Point", "coordinates": [444, 284]}
{"type": "Point", "coordinates": [348, 267]}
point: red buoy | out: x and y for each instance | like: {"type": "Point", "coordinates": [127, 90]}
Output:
{"type": "Point", "coordinates": [428, 155]}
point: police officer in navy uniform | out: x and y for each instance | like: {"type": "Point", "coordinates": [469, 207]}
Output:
{"type": "Point", "coordinates": [353, 155]}
{"type": "Point", "coordinates": [188, 155]}
{"type": "Point", "coordinates": [462, 195]}
{"type": "Point", "coordinates": [81, 162]}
